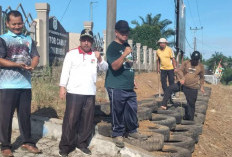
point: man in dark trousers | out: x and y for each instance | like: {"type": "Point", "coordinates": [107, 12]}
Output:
{"type": "Point", "coordinates": [119, 83]}
{"type": "Point", "coordinates": [190, 74]}
{"type": "Point", "coordinates": [166, 63]}
{"type": "Point", "coordinates": [18, 57]}
{"type": "Point", "coordinates": [78, 85]}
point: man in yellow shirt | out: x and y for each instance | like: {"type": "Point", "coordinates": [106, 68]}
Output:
{"type": "Point", "coordinates": [166, 63]}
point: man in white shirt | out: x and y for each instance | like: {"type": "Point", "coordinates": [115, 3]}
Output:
{"type": "Point", "coordinates": [78, 85]}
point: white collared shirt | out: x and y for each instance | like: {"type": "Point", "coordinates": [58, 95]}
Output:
{"type": "Point", "coordinates": [79, 72]}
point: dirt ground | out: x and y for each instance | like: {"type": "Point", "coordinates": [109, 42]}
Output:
{"type": "Point", "coordinates": [216, 139]}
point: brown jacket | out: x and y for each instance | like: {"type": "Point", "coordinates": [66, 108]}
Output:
{"type": "Point", "coordinates": [192, 75]}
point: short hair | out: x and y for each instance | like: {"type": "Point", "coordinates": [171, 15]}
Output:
{"type": "Point", "coordinates": [14, 13]}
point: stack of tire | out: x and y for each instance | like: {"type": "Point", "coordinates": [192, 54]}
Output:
{"type": "Point", "coordinates": [170, 136]}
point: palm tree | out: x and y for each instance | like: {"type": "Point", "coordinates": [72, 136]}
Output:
{"type": "Point", "coordinates": [155, 21]}
{"type": "Point", "coordinates": [215, 59]}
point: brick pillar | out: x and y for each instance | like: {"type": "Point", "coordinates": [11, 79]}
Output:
{"type": "Point", "coordinates": [43, 16]}
{"type": "Point", "coordinates": [150, 59]}
{"type": "Point", "coordinates": [138, 61]}
{"type": "Point", "coordinates": [145, 57]}
{"type": "Point", "coordinates": [88, 25]}
{"type": "Point", "coordinates": [155, 60]}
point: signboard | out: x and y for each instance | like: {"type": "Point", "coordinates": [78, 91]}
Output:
{"type": "Point", "coordinates": [58, 41]}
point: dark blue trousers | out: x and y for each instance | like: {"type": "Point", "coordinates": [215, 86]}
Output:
{"type": "Point", "coordinates": [123, 105]}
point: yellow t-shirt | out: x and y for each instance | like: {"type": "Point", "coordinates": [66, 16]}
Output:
{"type": "Point", "coordinates": [165, 56]}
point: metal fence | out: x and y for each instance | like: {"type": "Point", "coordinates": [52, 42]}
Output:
{"type": "Point", "coordinates": [29, 23]}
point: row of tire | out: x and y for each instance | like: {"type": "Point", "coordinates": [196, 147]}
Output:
{"type": "Point", "coordinates": [169, 135]}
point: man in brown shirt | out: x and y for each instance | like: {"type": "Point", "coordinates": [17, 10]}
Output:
{"type": "Point", "coordinates": [191, 78]}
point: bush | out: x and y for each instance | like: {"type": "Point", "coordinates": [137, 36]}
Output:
{"type": "Point", "coordinates": [227, 76]}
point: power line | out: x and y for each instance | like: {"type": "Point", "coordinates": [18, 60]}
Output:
{"type": "Point", "coordinates": [188, 43]}
{"type": "Point", "coordinates": [198, 13]}
{"type": "Point", "coordinates": [65, 10]}
{"type": "Point", "coordinates": [191, 12]}
{"type": "Point", "coordinates": [214, 46]}
{"type": "Point", "coordinates": [200, 23]}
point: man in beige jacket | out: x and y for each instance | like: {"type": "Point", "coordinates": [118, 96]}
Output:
{"type": "Point", "coordinates": [190, 74]}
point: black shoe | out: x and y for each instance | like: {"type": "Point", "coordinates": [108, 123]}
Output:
{"type": "Point", "coordinates": [86, 151]}
{"type": "Point", "coordinates": [63, 154]}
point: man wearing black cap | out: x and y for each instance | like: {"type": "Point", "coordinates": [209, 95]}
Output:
{"type": "Point", "coordinates": [78, 86]}
{"type": "Point", "coordinates": [189, 74]}
{"type": "Point", "coordinates": [120, 86]}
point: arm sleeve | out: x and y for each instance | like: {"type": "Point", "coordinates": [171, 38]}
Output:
{"type": "Point", "coordinates": [202, 76]}
{"type": "Point", "coordinates": [34, 51]}
{"type": "Point", "coordinates": [172, 54]}
{"type": "Point", "coordinates": [103, 66]}
{"type": "Point", "coordinates": [180, 72]}
{"type": "Point", "coordinates": [65, 71]}
{"type": "Point", "coordinates": [111, 55]}
{"type": "Point", "coordinates": [157, 57]}
{"type": "Point", "coordinates": [2, 48]}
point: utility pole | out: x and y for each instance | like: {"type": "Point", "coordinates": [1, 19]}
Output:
{"type": "Point", "coordinates": [195, 39]}
{"type": "Point", "coordinates": [91, 10]}
{"type": "Point", "coordinates": [177, 26]}
{"type": "Point", "coordinates": [1, 23]}
{"type": "Point", "coordinates": [110, 21]}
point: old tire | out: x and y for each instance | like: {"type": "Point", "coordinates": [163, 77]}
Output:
{"type": "Point", "coordinates": [104, 129]}
{"type": "Point", "coordinates": [166, 120]}
{"type": "Point", "coordinates": [172, 113]}
{"type": "Point", "coordinates": [199, 127]}
{"type": "Point", "coordinates": [143, 113]}
{"type": "Point", "coordinates": [152, 106]}
{"type": "Point", "coordinates": [173, 151]}
{"type": "Point", "coordinates": [186, 130]}
{"type": "Point", "coordinates": [181, 141]}
{"type": "Point", "coordinates": [164, 130]}
{"type": "Point", "coordinates": [153, 143]}
{"type": "Point", "coordinates": [102, 109]}
{"type": "Point", "coordinates": [201, 109]}
{"type": "Point", "coordinates": [199, 118]}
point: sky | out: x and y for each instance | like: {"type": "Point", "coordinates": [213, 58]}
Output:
{"type": "Point", "coordinates": [213, 15]}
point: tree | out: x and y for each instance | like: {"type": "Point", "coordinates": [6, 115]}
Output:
{"type": "Point", "coordinates": [213, 62]}
{"type": "Point", "coordinates": [152, 28]}
{"type": "Point", "coordinates": [226, 76]}
{"type": "Point", "coordinates": [143, 33]}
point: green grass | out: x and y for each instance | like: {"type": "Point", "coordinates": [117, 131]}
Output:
{"type": "Point", "coordinates": [45, 92]}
